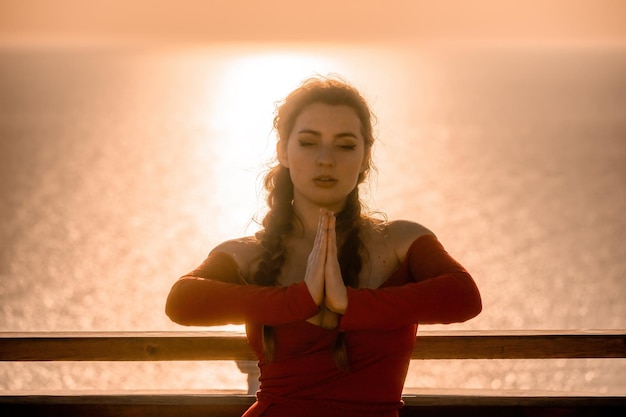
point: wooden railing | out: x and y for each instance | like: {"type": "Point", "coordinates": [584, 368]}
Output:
{"type": "Point", "coordinates": [186, 346]}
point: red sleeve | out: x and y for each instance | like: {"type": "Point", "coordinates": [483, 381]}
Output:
{"type": "Point", "coordinates": [208, 296]}
{"type": "Point", "coordinates": [439, 290]}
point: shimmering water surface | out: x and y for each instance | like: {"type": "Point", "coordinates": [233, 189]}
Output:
{"type": "Point", "coordinates": [121, 169]}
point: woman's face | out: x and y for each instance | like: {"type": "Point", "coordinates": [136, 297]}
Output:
{"type": "Point", "coordinates": [325, 154]}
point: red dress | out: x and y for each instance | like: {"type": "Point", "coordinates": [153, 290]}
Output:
{"type": "Point", "coordinates": [380, 326]}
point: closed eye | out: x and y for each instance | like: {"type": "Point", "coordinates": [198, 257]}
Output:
{"type": "Point", "coordinates": [306, 143]}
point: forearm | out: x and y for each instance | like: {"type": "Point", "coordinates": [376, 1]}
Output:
{"type": "Point", "coordinates": [204, 302]}
{"type": "Point", "coordinates": [445, 299]}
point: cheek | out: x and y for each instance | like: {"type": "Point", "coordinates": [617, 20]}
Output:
{"type": "Point", "coordinates": [285, 153]}
{"type": "Point", "coordinates": [296, 162]}
{"type": "Point", "coordinates": [358, 163]}
{"type": "Point", "coordinates": [353, 169]}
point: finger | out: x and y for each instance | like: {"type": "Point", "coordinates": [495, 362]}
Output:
{"type": "Point", "coordinates": [320, 230]}
{"type": "Point", "coordinates": [323, 230]}
{"type": "Point", "coordinates": [336, 297]}
{"type": "Point", "coordinates": [314, 275]}
{"type": "Point", "coordinates": [317, 257]}
{"type": "Point", "coordinates": [332, 236]}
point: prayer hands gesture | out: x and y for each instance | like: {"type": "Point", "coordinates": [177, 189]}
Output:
{"type": "Point", "coordinates": [323, 274]}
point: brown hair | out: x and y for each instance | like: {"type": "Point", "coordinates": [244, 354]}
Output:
{"type": "Point", "coordinates": [279, 221]}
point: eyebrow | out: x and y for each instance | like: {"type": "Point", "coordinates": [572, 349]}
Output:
{"type": "Point", "coordinates": [338, 135]}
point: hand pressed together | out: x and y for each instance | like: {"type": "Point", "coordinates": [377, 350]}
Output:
{"type": "Point", "coordinates": [323, 274]}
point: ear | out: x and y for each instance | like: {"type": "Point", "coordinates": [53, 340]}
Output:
{"type": "Point", "coordinates": [281, 152]}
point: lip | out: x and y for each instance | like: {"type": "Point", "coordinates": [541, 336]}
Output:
{"type": "Point", "coordinates": [325, 181]}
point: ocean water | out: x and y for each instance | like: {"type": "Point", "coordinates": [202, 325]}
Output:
{"type": "Point", "coordinates": [121, 168]}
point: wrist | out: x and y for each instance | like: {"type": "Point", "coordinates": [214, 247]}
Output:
{"type": "Point", "coordinates": [316, 292]}
{"type": "Point", "coordinates": [339, 303]}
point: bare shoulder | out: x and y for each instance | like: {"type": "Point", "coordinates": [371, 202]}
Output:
{"type": "Point", "coordinates": [402, 233]}
{"type": "Point", "coordinates": [245, 251]}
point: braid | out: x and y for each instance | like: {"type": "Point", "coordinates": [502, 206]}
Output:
{"type": "Point", "coordinates": [277, 224]}
{"type": "Point", "coordinates": [349, 223]}
{"type": "Point", "coordinates": [348, 229]}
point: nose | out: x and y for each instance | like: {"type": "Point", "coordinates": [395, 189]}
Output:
{"type": "Point", "coordinates": [325, 156]}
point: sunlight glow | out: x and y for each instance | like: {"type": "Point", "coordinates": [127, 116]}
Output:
{"type": "Point", "coordinates": [242, 113]}
{"type": "Point", "coordinates": [252, 84]}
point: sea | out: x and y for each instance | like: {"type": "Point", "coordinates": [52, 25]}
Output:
{"type": "Point", "coordinates": [122, 166]}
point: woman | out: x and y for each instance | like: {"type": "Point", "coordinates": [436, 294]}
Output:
{"type": "Point", "coordinates": [331, 298]}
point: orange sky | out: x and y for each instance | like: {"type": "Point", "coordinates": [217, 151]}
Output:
{"type": "Point", "coordinates": [319, 20]}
